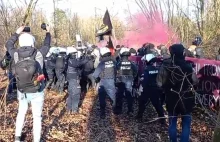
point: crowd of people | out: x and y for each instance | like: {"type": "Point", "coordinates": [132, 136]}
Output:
{"type": "Point", "coordinates": [167, 78]}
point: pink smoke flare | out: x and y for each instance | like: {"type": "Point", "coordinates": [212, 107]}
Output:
{"type": "Point", "coordinates": [152, 30]}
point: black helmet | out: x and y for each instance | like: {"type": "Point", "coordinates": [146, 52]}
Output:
{"type": "Point", "coordinates": [197, 41]}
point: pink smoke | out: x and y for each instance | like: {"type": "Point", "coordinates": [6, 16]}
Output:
{"type": "Point", "coordinates": [152, 30]}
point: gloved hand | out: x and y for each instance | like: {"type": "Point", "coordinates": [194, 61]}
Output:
{"type": "Point", "coordinates": [97, 80]}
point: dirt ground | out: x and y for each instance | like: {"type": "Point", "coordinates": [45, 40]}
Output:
{"type": "Point", "coordinates": [58, 126]}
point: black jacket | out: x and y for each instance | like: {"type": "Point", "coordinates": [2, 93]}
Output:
{"type": "Point", "coordinates": [74, 69]}
{"type": "Point", "coordinates": [89, 65]}
{"type": "Point", "coordinates": [27, 51]}
{"type": "Point", "coordinates": [178, 84]}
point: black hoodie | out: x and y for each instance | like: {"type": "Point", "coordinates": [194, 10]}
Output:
{"type": "Point", "coordinates": [179, 97]}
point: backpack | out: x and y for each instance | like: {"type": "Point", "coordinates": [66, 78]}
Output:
{"type": "Point", "coordinates": [27, 70]}
{"type": "Point", "coordinates": [162, 76]}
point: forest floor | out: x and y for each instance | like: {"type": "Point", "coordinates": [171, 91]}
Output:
{"type": "Point", "coordinates": [59, 126]}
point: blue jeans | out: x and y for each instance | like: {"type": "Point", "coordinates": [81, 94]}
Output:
{"type": "Point", "coordinates": [37, 101]}
{"type": "Point", "coordinates": [186, 125]}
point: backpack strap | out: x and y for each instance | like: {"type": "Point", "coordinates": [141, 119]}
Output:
{"type": "Point", "coordinates": [34, 55]}
{"type": "Point", "coordinates": [16, 58]}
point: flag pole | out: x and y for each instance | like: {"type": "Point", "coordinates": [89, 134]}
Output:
{"type": "Point", "coordinates": [113, 32]}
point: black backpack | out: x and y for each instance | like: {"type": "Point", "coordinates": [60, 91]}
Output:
{"type": "Point", "coordinates": [26, 70]}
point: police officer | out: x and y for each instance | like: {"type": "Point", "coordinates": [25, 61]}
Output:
{"type": "Point", "coordinates": [126, 72]}
{"type": "Point", "coordinates": [73, 77]}
{"type": "Point", "coordinates": [83, 80]}
{"type": "Point", "coordinates": [150, 89]}
{"type": "Point", "coordinates": [50, 64]}
{"type": "Point", "coordinates": [89, 69]}
{"type": "Point", "coordinates": [61, 64]}
{"type": "Point", "coordinates": [105, 74]}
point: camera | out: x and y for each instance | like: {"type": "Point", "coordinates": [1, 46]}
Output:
{"type": "Point", "coordinates": [27, 30]}
{"type": "Point", "coordinates": [43, 26]}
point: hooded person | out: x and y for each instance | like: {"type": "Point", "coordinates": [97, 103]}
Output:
{"type": "Point", "coordinates": [126, 73]}
{"type": "Point", "coordinates": [60, 70]}
{"type": "Point", "coordinates": [150, 49]}
{"type": "Point", "coordinates": [105, 75]}
{"type": "Point", "coordinates": [149, 88]}
{"type": "Point", "coordinates": [74, 71]}
{"type": "Point", "coordinates": [50, 65]}
{"type": "Point", "coordinates": [177, 79]}
{"type": "Point", "coordinates": [28, 71]}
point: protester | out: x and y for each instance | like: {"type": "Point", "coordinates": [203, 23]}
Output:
{"type": "Point", "coordinates": [60, 70]}
{"type": "Point", "coordinates": [133, 52]}
{"type": "Point", "coordinates": [105, 74]}
{"type": "Point", "coordinates": [6, 64]}
{"type": "Point", "coordinates": [142, 50]}
{"type": "Point", "coordinates": [126, 72]}
{"type": "Point", "coordinates": [177, 77]}
{"type": "Point", "coordinates": [73, 77]}
{"type": "Point", "coordinates": [150, 88]}
{"type": "Point", "coordinates": [150, 49]}
{"type": "Point", "coordinates": [28, 71]}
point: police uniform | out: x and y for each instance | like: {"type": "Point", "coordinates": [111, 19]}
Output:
{"type": "Point", "coordinates": [126, 72]}
{"type": "Point", "coordinates": [105, 74]}
{"type": "Point", "coordinates": [88, 71]}
{"type": "Point", "coordinates": [61, 64]}
{"type": "Point", "coordinates": [150, 89]}
{"type": "Point", "coordinates": [50, 64]}
{"type": "Point", "coordinates": [73, 77]}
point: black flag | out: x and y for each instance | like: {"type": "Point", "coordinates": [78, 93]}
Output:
{"type": "Point", "coordinates": [106, 27]}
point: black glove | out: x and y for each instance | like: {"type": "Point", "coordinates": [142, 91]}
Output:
{"type": "Point", "coordinates": [97, 80]}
